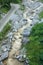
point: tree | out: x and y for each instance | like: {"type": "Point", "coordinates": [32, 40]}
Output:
{"type": "Point", "coordinates": [35, 47]}
{"type": "Point", "coordinates": [3, 2]}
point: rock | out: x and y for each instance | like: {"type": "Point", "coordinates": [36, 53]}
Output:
{"type": "Point", "coordinates": [23, 22]}
{"type": "Point", "coordinates": [13, 39]}
{"type": "Point", "coordinates": [4, 55]}
{"type": "Point", "coordinates": [25, 40]}
{"type": "Point", "coordinates": [26, 33]}
{"type": "Point", "coordinates": [26, 62]}
{"type": "Point", "coordinates": [16, 26]}
{"type": "Point", "coordinates": [6, 47]}
{"type": "Point", "coordinates": [14, 18]}
{"type": "Point", "coordinates": [42, 20]}
{"type": "Point", "coordinates": [1, 63]}
{"type": "Point", "coordinates": [10, 35]}
{"type": "Point", "coordinates": [21, 59]}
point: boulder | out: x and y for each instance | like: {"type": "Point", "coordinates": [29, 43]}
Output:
{"type": "Point", "coordinates": [6, 47]}
{"type": "Point", "coordinates": [25, 40]}
{"type": "Point", "coordinates": [26, 33]}
{"type": "Point", "coordinates": [1, 63]}
{"type": "Point", "coordinates": [4, 55]}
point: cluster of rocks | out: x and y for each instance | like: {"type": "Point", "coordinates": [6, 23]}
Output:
{"type": "Point", "coordinates": [32, 4]}
{"type": "Point", "coordinates": [18, 24]}
{"type": "Point", "coordinates": [33, 15]}
{"type": "Point", "coordinates": [6, 46]}
{"type": "Point", "coordinates": [22, 57]}
{"type": "Point", "coordinates": [34, 8]}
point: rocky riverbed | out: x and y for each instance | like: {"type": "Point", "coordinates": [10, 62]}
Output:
{"type": "Point", "coordinates": [22, 23]}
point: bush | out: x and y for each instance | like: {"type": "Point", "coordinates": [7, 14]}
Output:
{"type": "Point", "coordinates": [41, 15]}
{"type": "Point", "coordinates": [41, 0]}
{"type": "Point", "coordinates": [35, 47]}
{"type": "Point", "coordinates": [5, 31]}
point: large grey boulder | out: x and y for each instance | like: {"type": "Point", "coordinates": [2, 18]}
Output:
{"type": "Point", "coordinates": [6, 47]}
{"type": "Point", "coordinates": [4, 55]}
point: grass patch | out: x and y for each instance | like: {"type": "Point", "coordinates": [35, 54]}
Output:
{"type": "Point", "coordinates": [41, 15]}
{"type": "Point", "coordinates": [5, 31]}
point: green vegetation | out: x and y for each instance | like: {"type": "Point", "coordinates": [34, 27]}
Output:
{"type": "Point", "coordinates": [4, 9]}
{"type": "Point", "coordinates": [5, 31]}
{"type": "Point", "coordinates": [35, 46]}
{"type": "Point", "coordinates": [22, 7]}
{"type": "Point", "coordinates": [7, 2]}
{"type": "Point", "coordinates": [41, 0]}
{"type": "Point", "coordinates": [41, 15]}
{"type": "Point", "coordinates": [0, 17]}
